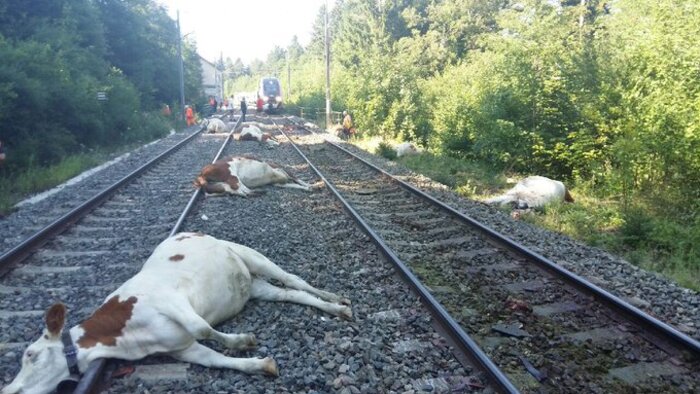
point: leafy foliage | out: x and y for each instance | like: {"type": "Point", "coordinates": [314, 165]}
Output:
{"type": "Point", "coordinates": [588, 91]}
{"type": "Point", "coordinates": [605, 95]}
{"type": "Point", "coordinates": [56, 55]}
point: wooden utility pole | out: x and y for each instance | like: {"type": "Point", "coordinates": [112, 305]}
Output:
{"type": "Point", "coordinates": [289, 78]}
{"type": "Point", "coordinates": [581, 19]}
{"type": "Point", "coordinates": [328, 72]}
{"type": "Point", "coordinates": [182, 70]}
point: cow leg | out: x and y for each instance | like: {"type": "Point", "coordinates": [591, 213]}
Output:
{"type": "Point", "coordinates": [260, 265]}
{"type": "Point", "coordinates": [231, 187]}
{"type": "Point", "coordinates": [235, 186]}
{"type": "Point", "coordinates": [305, 186]}
{"type": "Point", "coordinates": [262, 290]}
{"type": "Point", "coordinates": [182, 313]}
{"type": "Point", "coordinates": [202, 355]}
{"type": "Point", "coordinates": [284, 179]}
{"type": "Point", "coordinates": [221, 188]}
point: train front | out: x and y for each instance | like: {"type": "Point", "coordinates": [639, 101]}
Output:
{"type": "Point", "coordinates": [269, 95]}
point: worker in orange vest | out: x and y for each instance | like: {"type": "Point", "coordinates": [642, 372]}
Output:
{"type": "Point", "coordinates": [2, 154]}
{"type": "Point", "coordinates": [189, 115]}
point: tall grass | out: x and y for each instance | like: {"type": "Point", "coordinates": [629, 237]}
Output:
{"type": "Point", "coordinates": [644, 236]}
{"type": "Point", "coordinates": [34, 179]}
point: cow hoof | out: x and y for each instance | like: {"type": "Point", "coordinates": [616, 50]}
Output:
{"type": "Point", "coordinates": [251, 343]}
{"type": "Point", "coordinates": [270, 367]}
{"type": "Point", "coordinates": [346, 313]}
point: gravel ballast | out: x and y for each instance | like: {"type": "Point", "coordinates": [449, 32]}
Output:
{"type": "Point", "coordinates": [649, 291]}
{"type": "Point", "coordinates": [389, 346]}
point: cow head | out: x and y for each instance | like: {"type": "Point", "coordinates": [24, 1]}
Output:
{"type": "Point", "coordinates": [44, 365]}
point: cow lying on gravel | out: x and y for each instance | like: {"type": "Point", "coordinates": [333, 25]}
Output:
{"type": "Point", "coordinates": [239, 174]}
{"type": "Point", "coordinates": [253, 133]}
{"type": "Point", "coordinates": [215, 125]}
{"type": "Point", "coordinates": [191, 282]}
{"type": "Point", "coordinates": [533, 192]}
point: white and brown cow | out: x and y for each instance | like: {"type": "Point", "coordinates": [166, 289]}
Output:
{"type": "Point", "coordinates": [533, 192]}
{"type": "Point", "coordinates": [253, 133]}
{"type": "Point", "coordinates": [215, 125]}
{"type": "Point", "coordinates": [190, 283]}
{"type": "Point", "coordinates": [239, 174]}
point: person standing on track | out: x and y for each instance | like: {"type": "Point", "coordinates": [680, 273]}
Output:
{"type": "Point", "coordinates": [244, 109]}
{"type": "Point", "coordinates": [212, 104]}
{"type": "Point", "coordinates": [189, 114]}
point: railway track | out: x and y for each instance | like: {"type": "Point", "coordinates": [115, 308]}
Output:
{"type": "Point", "coordinates": [51, 205]}
{"type": "Point", "coordinates": [391, 346]}
{"type": "Point", "coordinates": [544, 331]}
{"type": "Point", "coordinates": [88, 251]}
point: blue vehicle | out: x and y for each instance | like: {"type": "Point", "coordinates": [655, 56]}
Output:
{"type": "Point", "coordinates": [269, 95]}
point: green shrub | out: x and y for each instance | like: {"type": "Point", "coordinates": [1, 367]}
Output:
{"type": "Point", "coordinates": [636, 228]}
{"type": "Point", "coordinates": [386, 150]}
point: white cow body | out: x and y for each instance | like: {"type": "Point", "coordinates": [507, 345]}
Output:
{"type": "Point", "coordinates": [533, 192]}
{"type": "Point", "coordinates": [237, 175]}
{"type": "Point", "coordinates": [215, 125]}
{"type": "Point", "coordinates": [405, 149]}
{"type": "Point", "coordinates": [191, 282]}
{"type": "Point", "coordinates": [253, 133]}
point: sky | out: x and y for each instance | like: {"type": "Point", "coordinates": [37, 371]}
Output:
{"type": "Point", "coordinates": [246, 29]}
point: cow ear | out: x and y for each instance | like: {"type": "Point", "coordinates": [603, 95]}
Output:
{"type": "Point", "coordinates": [55, 319]}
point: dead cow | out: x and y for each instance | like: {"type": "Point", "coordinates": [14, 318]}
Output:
{"type": "Point", "coordinates": [533, 192]}
{"type": "Point", "coordinates": [190, 283]}
{"type": "Point", "coordinates": [253, 133]}
{"type": "Point", "coordinates": [239, 174]}
{"type": "Point", "coordinates": [405, 149]}
{"type": "Point", "coordinates": [215, 125]}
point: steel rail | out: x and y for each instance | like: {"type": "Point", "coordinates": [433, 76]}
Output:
{"type": "Point", "coordinates": [198, 192]}
{"type": "Point", "coordinates": [27, 247]}
{"type": "Point", "coordinates": [92, 378]}
{"type": "Point", "coordinates": [630, 312]}
{"type": "Point", "coordinates": [464, 342]}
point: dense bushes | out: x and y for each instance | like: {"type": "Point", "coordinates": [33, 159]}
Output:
{"type": "Point", "coordinates": [55, 56]}
{"type": "Point", "coordinates": [602, 93]}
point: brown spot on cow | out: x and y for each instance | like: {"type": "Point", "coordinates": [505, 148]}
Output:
{"type": "Point", "coordinates": [233, 182]}
{"type": "Point", "coordinates": [247, 137]}
{"type": "Point", "coordinates": [107, 323]}
{"type": "Point", "coordinates": [177, 257]}
{"type": "Point", "coordinates": [181, 238]}
{"type": "Point", "coordinates": [56, 318]}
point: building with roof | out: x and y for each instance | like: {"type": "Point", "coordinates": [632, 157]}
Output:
{"type": "Point", "coordinates": [212, 80]}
